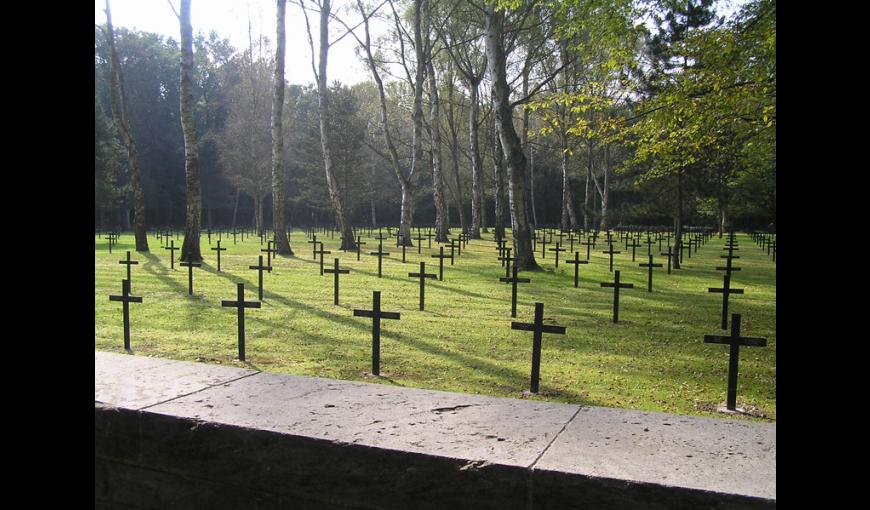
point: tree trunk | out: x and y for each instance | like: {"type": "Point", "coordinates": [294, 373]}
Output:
{"type": "Point", "coordinates": [374, 216]}
{"type": "Point", "coordinates": [525, 145]}
{"type": "Point", "coordinates": [454, 152]}
{"type": "Point", "coordinates": [190, 251]}
{"type": "Point", "coordinates": [721, 217]}
{"type": "Point", "coordinates": [405, 183]}
{"type": "Point", "coordinates": [511, 146]}
{"type": "Point", "coordinates": [119, 113]}
{"type": "Point", "coordinates": [347, 240]}
{"type": "Point", "coordinates": [476, 163]}
{"type": "Point", "coordinates": [236, 208]}
{"type": "Point", "coordinates": [498, 168]}
{"type": "Point", "coordinates": [282, 243]}
{"type": "Point", "coordinates": [605, 194]}
{"type": "Point", "coordinates": [569, 217]}
{"type": "Point", "coordinates": [441, 220]}
{"type": "Point", "coordinates": [678, 230]}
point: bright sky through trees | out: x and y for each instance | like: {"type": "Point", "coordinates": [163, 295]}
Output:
{"type": "Point", "coordinates": [229, 18]}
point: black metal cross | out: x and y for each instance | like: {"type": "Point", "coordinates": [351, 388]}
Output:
{"type": "Point", "coordinates": [670, 253]}
{"type": "Point", "coordinates": [514, 281]}
{"type": "Point", "coordinates": [190, 266]}
{"type": "Point", "coordinates": [458, 247]}
{"type": "Point", "coordinates": [260, 267]}
{"type": "Point", "coordinates": [735, 341]}
{"type": "Point", "coordinates": [727, 267]}
{"type": "Point", "coordinates": [240, 304]}
{"type": "Point", "coordinates": [313, 243]}
{"type": "Point", "coordinates": [126, 299]}
{"type": "Point", "coordinates": [336, 271]}
{"type": "Point", "coordinates": [419, 240]}
{"type": "Point", "coordinates": [380, 253]}
{"type": "Point", "coordinates": [726, 291]}
{"type": "Point", "coordinates": [376, 314]}
{"type": "Point", "coordinates": [557, 249]}
{"type": "Point", "coordinates": [452, 250]}
{"type": "Point", "coordinates": [422, 275]}
{"type": "Point", "coordinates": [616, 286]}
{"type": "Point", "coordinates": [544, 246]}
{"type": "Point", "coordinates": [590, 243]}
{"type": "Point", "coordinates": [577, 263]}
{"type": "Point", "coordinates": [538, 328]}
{"type": "Point", "coordinates": [219, 250]}
{"type": "Point", "coordinates": [634, 244]}
{"type": "Point", "coordinates": [321, 252]}
{"type": "Point", "coordinates": [171, 249]}
{"type": "Point", "coordinates": [650, 265]}
{"type": "Point", "coordinates": [430, 235]}
{"type": "Point", "coordinates": [506, 261]}
{"type": "Point", "coordinates": [441, 258]}
{"type": "Point", "coordinates": [128, 262]}
{"type": "Point", "coordinates": [611, 252]}
{"type": "Point", "coordinates": [270, 249]}
{"type": "Point", "coordinates": [359, 244]}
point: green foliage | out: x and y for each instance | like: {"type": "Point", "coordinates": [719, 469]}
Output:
{"type": "Point", "coordinates": [109, 161]}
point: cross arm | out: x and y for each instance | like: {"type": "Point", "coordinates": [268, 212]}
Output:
{"type": "Point", "coordinates": [751, 341]}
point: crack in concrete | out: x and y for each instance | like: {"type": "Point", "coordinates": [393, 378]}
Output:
{"type": "Point", "coordinates": [532, 465]}
{"type": "Point", "coordinates": [199, 390]}
{"type": "Point", "coordinates": [439, 410]}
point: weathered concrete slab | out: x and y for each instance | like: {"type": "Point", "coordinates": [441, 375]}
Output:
{"type": "Point", "coordinates": [709, 454]}
{"type": "Point", "coordinates": [137, 382]}
{"type": "Point", "coordinates": [497, 430]}
{"type": "Point", "coordinates": [281, 439]}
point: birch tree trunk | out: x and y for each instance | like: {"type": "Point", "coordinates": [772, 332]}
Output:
{"type": "Point", "coordinates": [476, 163]}
{"type": "Point", "coordinates": [282, 243]}
{"type": "Point", "coordinates": [119, 112]}
{"type": "Point", "coordinates": [498, 168]}
{"type": "Point", "coordinates": [190, 251]}
{"type": "Point", "coordinates": [587, 210]}
{"type": "Point", "coordinates": [347, 240]}
{"type": "Point", "coordinates": [454, 153]}
{"type": "Point", "coordinates": [605, 193]}
{"type": "Point", "coordinates": [441, 221]}
{"type": "Point", "coordinates": [511, 146]}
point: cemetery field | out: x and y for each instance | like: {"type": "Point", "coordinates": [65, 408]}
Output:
{"type": "Point", "coordinates": [654, 359]}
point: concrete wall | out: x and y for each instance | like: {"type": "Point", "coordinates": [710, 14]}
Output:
{"type": "Point", "coordinates": [182, 435]}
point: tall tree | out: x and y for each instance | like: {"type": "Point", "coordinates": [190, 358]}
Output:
{"type": "Point", "coordinates": [515, 159]}
{"type": "Point", "coordinates": [119, 112]}
{"type": "Point", "coordinates": [347, 240]}
{"type": "Point", "coordinates": [190, 250]}
{"type": "Point", "coordinates": [282, 243]}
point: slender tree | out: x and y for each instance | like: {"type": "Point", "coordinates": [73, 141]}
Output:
{"type": "Point", "coordinates": [190, 251]}
{"type": "Point", "coordinates": [119, 113]}
{"type": "Point", "coordinates": [282, 243]}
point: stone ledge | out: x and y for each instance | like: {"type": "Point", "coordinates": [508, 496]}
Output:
{"type": "Point", "coordinates": [175, 427]}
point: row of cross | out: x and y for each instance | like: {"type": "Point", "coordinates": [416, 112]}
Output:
{"type": "Point", "coordinates": [537, 327]}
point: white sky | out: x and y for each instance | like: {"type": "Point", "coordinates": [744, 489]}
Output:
{"type": "Point", "coordinates": [229, 18]}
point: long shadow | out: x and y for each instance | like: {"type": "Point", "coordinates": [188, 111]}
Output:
{"type": "Point", "coordinates": [194, 309]}
{"type": "Point", "coordinates": [296, 305]}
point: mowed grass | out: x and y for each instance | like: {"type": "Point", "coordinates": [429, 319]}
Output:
{"type": "Point", "coordinates": [653, 359]}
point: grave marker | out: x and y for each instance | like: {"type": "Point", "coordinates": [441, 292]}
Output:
{"type": "Point", "coordinates": [380, 253]}
{"type": "Point", "coordinates": [735, 341]}
{"type": "Point", "coordinates": [577, 263]}
{"type": "Point", "coordinates": [190, 266]}
{"type": "Point", "coordinates": [538, 328]}
{"type": "Point", "coordinates": [514, 281]}
{"type": "Point", "coordinates": [260, 267]}
{"type": "Point", "coordinates": [171, 249]}
{"type": "Point", "coordinates": [726, 291]}
{"type": "Point", "coordinates": [219, 250]}
{"type": "Point", "coordinates": [128, 263]}
{"type": "Point", "coordinates": [441, 258]}
{"type": "Point", "coordinates": [650, 265]}
{"type": "Point", "coordinates": [422, 275]}
{"type": "Point", "coordinates": [336, 271]}
{"type": "Point", "coordinates": [321, 251]}
{"type": "Point", "coordinates": [376, 314]}
{"type": "Point", "coordinates": [611, 252]}
{"type": "Point", "coordinates": [557, 249]}
{"type": "Point", "coordinates": [616, 286]}
{"type": "Point", "coordinates": [240, 304]}
{"type": "Point", "coordinates": [126, 299]}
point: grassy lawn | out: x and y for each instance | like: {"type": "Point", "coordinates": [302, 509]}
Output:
{"type": "Point", "coordinates": [653, 359]}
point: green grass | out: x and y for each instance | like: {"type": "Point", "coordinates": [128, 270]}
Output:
{"type": "Point", "coordinates": [653, 359]}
